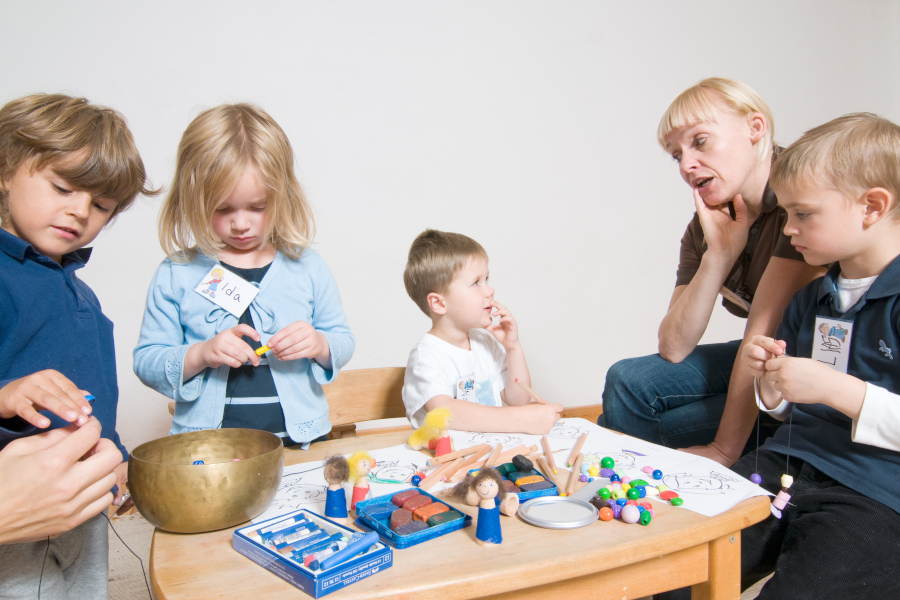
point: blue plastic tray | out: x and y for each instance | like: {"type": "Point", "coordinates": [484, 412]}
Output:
{"type": "Point", "coordinates": [387, 535]}
{"type": "Point", "coordinates": [523, 496]}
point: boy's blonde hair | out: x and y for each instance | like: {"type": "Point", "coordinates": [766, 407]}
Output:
{"type": "Point", "coordinates": [435, 258]}
{"type": "Point", "coordinates": [697, 105]}
{"type": "Point", "coordinates": [87, 145]}
{"type": "Point", "coordinates": [214, 151]}
{"type": "Point", "coordinates": [851, 154]}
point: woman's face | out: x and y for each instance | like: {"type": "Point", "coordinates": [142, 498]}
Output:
{"type": "Point", "coordinates": [718, 158]}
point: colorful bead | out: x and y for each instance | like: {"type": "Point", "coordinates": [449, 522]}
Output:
{"type": "Point", "coordinates": [606, 472]}
{"type": "Point", "coordinates": [617, 486]}
{"type": "Point", "coordinates": [677, 501]}
{"type": "Point", "coordinates": [606, 514]}
{"type": "Point", "coordinates": [646, 517]}
{"type": "Point", "coordinates": [668, 495]}
{"type": "Point", "coordinates": [615, 477]}
{"type": "Point", "coordinates": [607, 463]}
{"type": "Point", "coordinates": [626, 479]}
{"type": "Point", "coordinates": [617, 511]}
{"type": "Point", "coordinates": [621, 501]}
{"type": "Point", "coordinates": [647, 470]}
{"type": "Point", "coordinates": [756, 478]}
{"type": "Point", "coordinates": [657, 474]}
{"type": "Point", "coordinates": [642, 491]}
{"type": "Point", "coordinates": [662, 487]}
{"type": "Point", "coordinates": [652, 492]}
{"type": "Point", "coordinates": [631, 503]}
{"type": "Point", "coordinates": [603, 493]}
{"type": "Point", "coordinates": [582, 478]}
{"type": "Point", "coordinates": [593, 471]}
{"type": "Point", "coordinates": [630, 514]}
{"type": "Point", "coordinates": [633, 494]}
{"type": "Point", "coordinates": [625, 487]}
{"type": "Point", "coordinates": [616, 494]}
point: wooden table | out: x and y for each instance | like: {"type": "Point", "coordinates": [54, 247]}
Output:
{"type": "Point", "coordinates": [603, 560]}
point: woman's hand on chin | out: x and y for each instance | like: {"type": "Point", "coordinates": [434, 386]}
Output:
{"type": "Point", "coordinates": [724, 236]}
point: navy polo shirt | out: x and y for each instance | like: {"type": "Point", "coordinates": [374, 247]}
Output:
{"type": "Point", "coordinates": [50, 319]}
{"type": "Point", "coordinates": [820, 435]}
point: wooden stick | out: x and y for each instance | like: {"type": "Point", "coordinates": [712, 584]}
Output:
{"type": "Point", "coordinates": [576, 449]}
{"type": "Point", "coordinates": [492, 459]}
{"type": "Point", "coordinates": [573, 476]}
{"type": "Point", "coordinates": [505, 457]}
{"type": "Point", "coordinates": [545, 469]}
{"type": "Point", "coordinates": [477, 456]}
{"type": "Point", "coordinates": [546, 444]}
{"type": "Point", "coordinates": [436, 474]}
{"type": "Point", "coordinates": [531, 392]}
{"type": "Point", "coordinates": [431, 462]}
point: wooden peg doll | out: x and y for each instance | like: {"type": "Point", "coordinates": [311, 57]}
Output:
{"type": "Point", "coordinates": [464, 492]}
{"type": "Point", "coordinates": [360, 465]}
{"type": "Point", "coordinates": [434, 432]}
{"type": "Point", "coordinates": [337, 471]}
{"type": "Point", "coordinates": [489, 487]}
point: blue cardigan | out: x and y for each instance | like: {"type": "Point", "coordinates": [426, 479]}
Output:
{"type": "Point", "coordinates": [177, 317]}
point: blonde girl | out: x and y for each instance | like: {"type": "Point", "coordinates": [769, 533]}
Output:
{"type": "Point", "coordinates": [235, 204]}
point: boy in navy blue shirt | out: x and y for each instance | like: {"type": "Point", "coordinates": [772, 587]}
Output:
{"type": "Point", "coordinates": [66, 169]}
{"type": "Point", "coordinates": [833, 374]}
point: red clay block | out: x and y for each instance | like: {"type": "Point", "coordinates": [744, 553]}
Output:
{"type": "Point", "coordinates": [417, 502]}
{"type": "Point", "coordinates": [400, 497]}
{"type": "Point", "coordinates": [400, 517]}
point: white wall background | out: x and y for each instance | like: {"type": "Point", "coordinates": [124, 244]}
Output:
{"type": "Point", "coordinates": [529, 126]}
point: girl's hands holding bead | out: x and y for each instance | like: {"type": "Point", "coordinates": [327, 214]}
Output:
{"type": "Point", "coordinates": [758, 351]}
{"type": "Point", "coordinates": [229, 348]}
{"type": "Point", "coordinates": [301, 340]}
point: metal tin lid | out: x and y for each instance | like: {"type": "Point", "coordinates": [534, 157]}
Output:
{"type": "Point", "coordinates": [557, 512]}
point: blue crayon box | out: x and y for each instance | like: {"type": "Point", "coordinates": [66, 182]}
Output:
{"type": "Point", "coordinates": [378, 521]}
{"type": "Point", "coordinates": [280, 544]}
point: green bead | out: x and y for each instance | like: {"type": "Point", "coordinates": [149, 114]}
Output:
{"type": "Point", "coordinates": [603, 493]}
{"type": "Point", "coordinates": [607, 463]}
{"type": "Point", "coordinates": [646, 517]}
{"type": "Point", "coordinates": [633, 494]}
{"type": "Point", "coordinates": [616, 494]}
{"type": "Point", "coordinates": [676, 501]}
{"type": "Point", "coordinates": [636, 482]}
{"type": "Point", "coordinates": [662, 487]}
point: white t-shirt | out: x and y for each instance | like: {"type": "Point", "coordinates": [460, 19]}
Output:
{"type": "Point", "coordinates": [851, 290]}
{"type": "Point", "coordinates": [436, 368]}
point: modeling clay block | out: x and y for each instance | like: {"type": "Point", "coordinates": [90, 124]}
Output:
{"type": "Point", "coordinates": [444, 517]}
{"type": "Point", "coordinates": [429, 510]}
{"type": "Point", "coordinates": [516, 475]}
{"type": "Point", "coordinates": [417, 502]}
{"type": "Point", "coordinates": [530, 479]}
{"type": "Point", "coordinates": [411, 527]}
{"type": "Point", "coordinates": [510, 487]}
{"type": "Point", "coordinates": [400, 517]}
{"type": "Point", "coordinates": [522, 464]}
{"type": "Point", "coordinates": [537, 485]}
{"type": "Point", "coordinates": [380, 511]}
{"type": "Point", "coordinates": [400, 497]}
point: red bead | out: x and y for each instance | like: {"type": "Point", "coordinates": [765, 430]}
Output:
{"type": "Point", "coordinates": [668, 495]}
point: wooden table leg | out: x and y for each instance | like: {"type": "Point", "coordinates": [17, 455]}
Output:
{"type": "Point", "coordinates": [724, 581]}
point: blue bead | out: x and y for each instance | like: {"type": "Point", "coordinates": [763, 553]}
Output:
{"type": "Point", "coordinates": [641, 508]}
{"type": "Point", "coordinates": [657, 474]}
{"type": "Point", "coordinates": [615, 477]}
{"type": "Point", "coordinates": [642, 491]}
{"type": "Point", "coordinates": [756, 478]}
{"type": "Point", "coordinates": [622, 501]}
{"type": "Point", "coordinates": [416, 480]}
{"type": "Point", "coordinates": [199, 462]}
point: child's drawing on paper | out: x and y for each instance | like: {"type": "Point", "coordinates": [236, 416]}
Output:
{"type": "Point", "coordinates": [561, 430]}
{"type": "Point", "coordinates": [687, 483]}
{"type": "Point", "coordinates": [392, 472]}
{"type": "Point", "coordinates": [495, 438]}
{"type": "Point", "coordinates": [213, 284]}
{"type": "Point", "coordinates": [294, 492]}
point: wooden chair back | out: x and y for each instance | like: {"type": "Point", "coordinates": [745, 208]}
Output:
{"type": "Point", "coordinates": [365, 395]}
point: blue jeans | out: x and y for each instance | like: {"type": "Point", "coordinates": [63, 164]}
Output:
{"type": "Point", "coordinates": [674, 405]}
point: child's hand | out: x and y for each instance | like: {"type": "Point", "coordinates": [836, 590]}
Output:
{"type": "Point", "coordinates": [506, 331]}
{"type": "Point", "coordinates": [300, 340]}
{"type": "Point", "coordinates": [227, 348]}
{"type": "Point", "coordinates": [121, 479]}
{"type": "Point", "coordinates": [543, 417]}
{"type": "Point", "coordinates": [758, 351]}
{"type": "Point", "coordinates": [802, 380]}
{"type": "Point", "coordinates": [45, 390]}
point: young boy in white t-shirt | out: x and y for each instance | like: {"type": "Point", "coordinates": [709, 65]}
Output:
{"type": "Point", "coordinates": [465, 360]}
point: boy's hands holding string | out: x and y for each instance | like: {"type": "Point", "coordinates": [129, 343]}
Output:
{"type": "Point", "coordinates": [801, 380]}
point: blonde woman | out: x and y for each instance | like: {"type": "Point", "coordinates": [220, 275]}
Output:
{"type": "Point", "coordinates": [235, 204]}
{"type": "Point", "coordinates": [720, 133]}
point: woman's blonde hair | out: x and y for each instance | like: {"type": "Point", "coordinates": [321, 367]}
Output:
{"type": "Point", "coordinates": [697, 105]}
{"type": "Point", "coordinates": [214, 152]}
{"type": "Point", "coordinates": [89, 146]}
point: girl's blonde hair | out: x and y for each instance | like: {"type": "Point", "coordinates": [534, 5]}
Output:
{"type": "Point", "coordinates": [697, 104]}
{"type": "Point", "coordinates": [214, 151]}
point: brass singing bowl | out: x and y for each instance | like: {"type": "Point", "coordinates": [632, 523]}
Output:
{"type": "Point", "coordinates": [176, 495]}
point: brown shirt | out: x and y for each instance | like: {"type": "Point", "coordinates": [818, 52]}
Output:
{"type": "Point", "coordinates": [765, 240]}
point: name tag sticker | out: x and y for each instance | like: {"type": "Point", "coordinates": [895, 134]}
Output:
{"type": "Point", "coordinates": [465, 388]}
{"type": "Point", "coordinates": [831, 342]}
{"type": "Point", "coordinates": [232, 292]}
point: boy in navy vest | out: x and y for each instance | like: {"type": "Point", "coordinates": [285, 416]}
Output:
{"type": "Point", "coordinates": [66, 169]}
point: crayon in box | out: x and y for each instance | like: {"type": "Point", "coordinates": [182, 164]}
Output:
{"type": "Point", "coordinates": [288, 565]}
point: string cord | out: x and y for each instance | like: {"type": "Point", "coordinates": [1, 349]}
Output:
{"type": "Point", "coordinates": [787, 466]}
{"type": "Point", "coordinates": [143, 572]}
{"type": "Point", "coordinates": [44, 562]}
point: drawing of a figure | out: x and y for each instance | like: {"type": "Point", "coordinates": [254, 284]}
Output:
{"type": "Point", "coordinates": [564, 431]}
{"type": "Point", "coordinates": [392, 471]}
{"type": "Point", "coordinates": [714, 483]}
{"type": "Point", "coordinates": [832, 337]}
{"type": "Point", "coordinates": [213, 284]}
{"type": "Point", "coordinates": [495, 438]}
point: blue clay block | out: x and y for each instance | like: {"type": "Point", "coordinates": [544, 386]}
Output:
{"type": "Point", "coordinates": [382, 512]}
{"type": "Point", "coordinates": [537, 485]}
{"type": "Point", "coordinates": [411, 527]}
